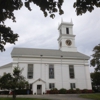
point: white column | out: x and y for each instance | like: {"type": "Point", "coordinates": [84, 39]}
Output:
{"type": "Point", "coordinates": [88, 80]}
{"type": "Point", "coordinates": [61, 72]}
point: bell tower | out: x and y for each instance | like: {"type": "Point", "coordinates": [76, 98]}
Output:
{"type": "Point", "coordinates": [66, 38]}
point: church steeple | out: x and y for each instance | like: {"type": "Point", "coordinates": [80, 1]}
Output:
{"type": "Point", "coordinates": [66, 38]}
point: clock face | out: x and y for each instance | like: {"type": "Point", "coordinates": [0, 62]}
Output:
{"type": "Point", "coordinates": [68, 42]}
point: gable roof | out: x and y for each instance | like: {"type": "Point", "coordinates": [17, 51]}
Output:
{"type": "Point", "coordinates": [38, 80]}
{"type": "Point", "coordinates": [32, 52]}
{"type": "Point", "coordinates": [6, 66]}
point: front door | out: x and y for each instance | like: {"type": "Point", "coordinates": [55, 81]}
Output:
{"type": "Point", "coordinates": [39, 89]}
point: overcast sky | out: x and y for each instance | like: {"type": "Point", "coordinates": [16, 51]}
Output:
{"type": "Point", "coordinates": [36, 31]}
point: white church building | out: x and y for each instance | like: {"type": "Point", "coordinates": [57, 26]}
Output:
{"type": "Point", "coordinates": [45, 69]}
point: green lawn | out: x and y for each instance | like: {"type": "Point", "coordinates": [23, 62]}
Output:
{"type": "Point", "coordinates": [21, 99]}
{"type": "Point", "coordinates": [91, 96]}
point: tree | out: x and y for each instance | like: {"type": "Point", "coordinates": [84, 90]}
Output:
{"type": "Point", "coordinates": [13, 82]}
{"type": "Point", "coordinates": [82, 6]}
{"type": "Point", "coordinates": [95, 78]}
{"type": "Point", "coordinates": [95, 61]}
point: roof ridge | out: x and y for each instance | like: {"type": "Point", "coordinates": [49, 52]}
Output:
{"type": "Point", "coordinates": [35, 48]}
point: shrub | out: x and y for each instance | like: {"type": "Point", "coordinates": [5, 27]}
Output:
{"type": "Point", "coordinates": [23, 91]}
{"type": "Point", "coordinates": [54, 91]}
{"type": "Point", "coordinates": [4, 92]}
{"type": "Point", "coordinates": [95, 89]}
{"type": "Point", "coordinates": [62, 91]}
{"type": "Point", "coordinates": [78, 90]}
{"type": "Point", "coordinates": [84, 91]}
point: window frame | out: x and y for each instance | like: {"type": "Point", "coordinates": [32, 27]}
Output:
{"type": "Point", "coordinates": [53, 71]}
{"type": "Point", "coordinates": [72, 85]}
{"type": "Point", "coordinates": [71, 72]}
{"type": "Point", "coordinates": [67, 30]}
{"type": "Point", "coordinates": [30, 71]}
{"type": "Point", "coordinates": [51, 85]}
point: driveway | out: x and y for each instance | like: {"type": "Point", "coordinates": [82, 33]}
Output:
{"type": "Point", "coordinates": [52, 96]}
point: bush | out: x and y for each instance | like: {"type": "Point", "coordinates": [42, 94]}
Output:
{"type": "Point", "coordinates": [54, 91]}
{"type": "Point", "coordinates": [95, 89]}
{"type": "Point", "coordinates": [23, 91]}
{"type": "Point", "coordinates": [4, 92]}
{"type": "Point", "coordinates": [78, 90]}
{"type": "Point", "coordinates": [84, 91]}
{"type": "Point", "coordinates": [62, 91]}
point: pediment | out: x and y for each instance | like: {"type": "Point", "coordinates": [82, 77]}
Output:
{"type": "Point", "coordinates": [39, 80]}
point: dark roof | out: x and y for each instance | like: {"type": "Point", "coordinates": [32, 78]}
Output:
{"type": "Point", "coordinates": [32, 52]}
{"type": "Point", "coordinates": [6, 66]}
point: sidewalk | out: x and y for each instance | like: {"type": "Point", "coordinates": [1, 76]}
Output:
{"type": "Point", "coordinates": [51, 96]}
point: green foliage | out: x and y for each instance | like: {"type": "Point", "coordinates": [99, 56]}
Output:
{"type": "Point", "coordinates": [82, 6]}
{"type": "Point", "coordinates": [23, 91]}
{"type": "Point", "coordinates": [84, 91]}
{"type": "Point", "coordinates": [6, 12]}
{"type": "Point", "coordinates": [91, 96]}
{"type": "Point", "coordinates": [6, 92]}
{"type": "Point", "coordinates": [95, 61]}
{"type": "Point", "coordinates": [13, 82]}
{"type": "Point", "coordinates": [6, 36]}
{"type": "Point", "coordinates": [6, 81]}
{"type": "Point", "coordinates": [70, 91]}
{"type": "Point", "coordinates": [78, 90]}
{"type": "Point", "coordinates": [95, 78]}
{"type": "Point", "coordinates": [54, 91]}
{"type": "Point", "coordinates": [47, 6]}
{"type": "Point", "coordinates": [62, 91]}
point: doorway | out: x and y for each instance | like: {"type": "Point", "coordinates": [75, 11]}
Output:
{"type": "Point", "coordinates": [39, 89]}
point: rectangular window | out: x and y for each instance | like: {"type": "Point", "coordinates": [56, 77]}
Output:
{"type": "Point", "coordinates": [51, 85]}
{"type": "Point", "coordinates": [72, 85]}
{"type": "Point", "coordinates": [67, 30]}
{"type": "Point", "coordinates": [51, 71]}
{"type": "Point", "coordinates": [30, 71]}
{"type": "Point", "coordinates": [71, 71]}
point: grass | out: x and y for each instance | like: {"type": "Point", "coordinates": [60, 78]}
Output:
{"type": "Point", "coordinates": [91, 96]}
{"type": "Point", "coordinates": [21, 99]}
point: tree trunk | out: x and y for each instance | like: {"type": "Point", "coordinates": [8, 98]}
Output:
{"type": "Point", "coordinates": [14, 95]}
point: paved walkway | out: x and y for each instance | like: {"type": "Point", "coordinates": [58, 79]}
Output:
{"type": "Point", "coordinates": [52, 96]}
